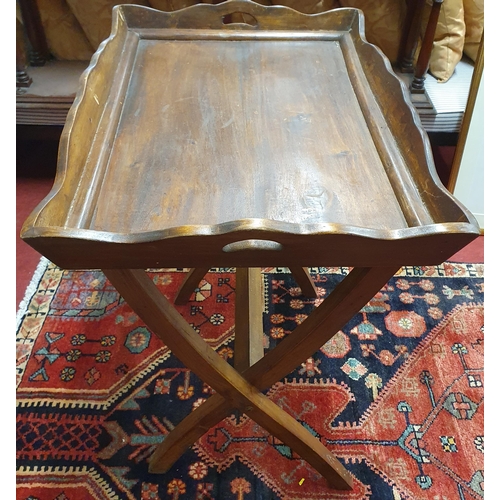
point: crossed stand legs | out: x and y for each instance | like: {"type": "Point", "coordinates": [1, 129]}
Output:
{"type": "Point", "coordinates": [241, 387]}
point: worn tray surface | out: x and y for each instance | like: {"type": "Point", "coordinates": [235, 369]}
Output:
{"type": "Point", "coordinates": [294, 127]}
{"type": "Point", "coordinates": [242, 129]}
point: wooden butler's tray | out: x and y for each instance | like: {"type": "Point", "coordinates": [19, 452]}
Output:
{"type": "Point", "coordinates": [188, 134]}
{"type": "Point", "coordinates": [283, 140]}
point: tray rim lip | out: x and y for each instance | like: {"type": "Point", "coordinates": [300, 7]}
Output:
{"type": "Point", "coordinates": [31, 229]}
{"type": "Point", "coordinates": [260, 227]}
{"type": "Point", "coordinates": [121, 8]}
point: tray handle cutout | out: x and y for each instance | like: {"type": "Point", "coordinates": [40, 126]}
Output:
{"type": "Point", "coordinates": [238, 246]}
{"type": "Point", "coordinates": [240, 18]}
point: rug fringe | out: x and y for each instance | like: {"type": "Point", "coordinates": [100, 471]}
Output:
{"type": "Point", "coordinates": [62, 469]}
{"type": "Point", "coordinates": [31, 290]}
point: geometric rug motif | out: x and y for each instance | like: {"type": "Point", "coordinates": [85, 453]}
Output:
{"type": "Point", "coordinates": [397, 395]}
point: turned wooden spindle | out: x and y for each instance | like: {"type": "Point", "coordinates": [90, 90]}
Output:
{"type": "Point", "coordinates": [39, 49]}
{"type": "Point", "coordinates": [417, 85]}
{"type": "Point", "coordinates": [411, 34]}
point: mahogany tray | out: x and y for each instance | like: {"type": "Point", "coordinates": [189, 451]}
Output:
{"type": "Point", "coordinates": [284, 139]}
{"type": "Point", "coordinates": [281, 139]}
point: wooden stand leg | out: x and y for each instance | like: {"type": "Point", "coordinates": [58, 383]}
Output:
{"type": "Point", "coordinates": [248, 349]}
{"type": "Point", "coordinates": [248, 339]}
{"type": "Point", "coordinates": [304, 280]}
{"type": "Point", "coordinates": [240, 391]}
{"type": "Point", "coordinates": [191, 281]}
{"type": "Point", "coordinates": [161, 316]}
{"type": "Point", "coordinates": [188, 431]}
{"type": "Point", "coordinates": [348, 298]}
{"type": "Point", "coordinates": [340, 306]}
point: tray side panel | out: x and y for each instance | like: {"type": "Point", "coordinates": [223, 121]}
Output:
{"type": "Point", "coordinates": [417, 169]}
{"type": "Point", "coordinates": [83, 249]}
{"type": "Point", "coordinates": [216, 131]}
{"type": "Point", "coordinates": [214, 17]}
{"type": "Point", "coordinates": [82, 135]}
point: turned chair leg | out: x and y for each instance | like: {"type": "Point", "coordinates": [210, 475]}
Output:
{"type": "Point", "coordinates": [411, 34]}
{"type": "Point", "coordinates": [417, 85]}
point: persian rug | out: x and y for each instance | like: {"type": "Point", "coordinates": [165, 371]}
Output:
{"type": "Point", "coordinates": [397, 394]}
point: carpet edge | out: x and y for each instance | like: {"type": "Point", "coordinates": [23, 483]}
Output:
{"type": "Point", "coordinates": [31, 290]}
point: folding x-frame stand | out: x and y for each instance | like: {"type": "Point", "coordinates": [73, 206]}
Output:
{"type": "Point", "coordinates": [240, 387]}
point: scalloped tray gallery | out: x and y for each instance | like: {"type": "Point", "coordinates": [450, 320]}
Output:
{"type": "Point", "coordinates": [279, 138]}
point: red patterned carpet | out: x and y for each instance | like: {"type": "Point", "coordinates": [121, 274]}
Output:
{"type": "Point", "coordinates": [397, 394]}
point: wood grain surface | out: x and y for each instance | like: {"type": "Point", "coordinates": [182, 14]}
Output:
{"type": "Point", "coordinates": [281, 140]}
{"type": "Point", "coordinates": [292, 132]}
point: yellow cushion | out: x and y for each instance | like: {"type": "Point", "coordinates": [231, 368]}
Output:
{"type": "Point", "coordinates": [384, 21]}
{"type": "Point", "coordinates": [474, 23]}
{"type": "Point", "coordinates": [169, 5]}
{"type": "Point", "coordinates": [65, 37]}
{"type": "Point", "coordinates": [309, 6]}
{"type": "Point", "coordinates": [448, 40]}
{"type": "Point", "coordinates": [94, 17]}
